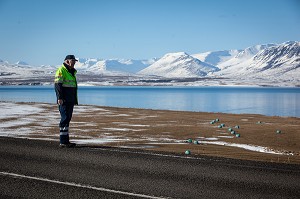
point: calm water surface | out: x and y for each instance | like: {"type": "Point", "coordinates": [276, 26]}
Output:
{"type": "Point", "coordinates": [266, 101]}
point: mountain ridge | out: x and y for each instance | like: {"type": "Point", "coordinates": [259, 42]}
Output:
{"type": "Point", "coordinates": [266, 63]}
{"type": "Point", "coordinates": [178, 64]}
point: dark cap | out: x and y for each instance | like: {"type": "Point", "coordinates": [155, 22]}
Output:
{"type": "Point", "coordinates": [70, 57]}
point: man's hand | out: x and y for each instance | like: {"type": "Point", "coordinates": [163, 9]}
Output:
{"type": "Point", "coordinates": [60, 102]}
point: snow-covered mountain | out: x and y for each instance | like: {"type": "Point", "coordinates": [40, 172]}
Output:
{"type": "Point", "coordinates": [243, 56]}
{"type": "Point", "coordinates": [24, 74]}
{"type": "Point", "coordinates": [269, 64]}
{"type": "Point", "coordinates": [22, 63]}
{"type": "Point", "coordinates": [225, 58]}
{"type": "Point", "coordinates": [112, 66]}
{"type": "Point", "coordinates": [23, 70]}
{"type": "Point", "coordinates": [286, 54]}
{"type": "Point", "coordinates": [266, 61]}
{"type": "Point", "coordinates": [216, 57]}
{"type": "Point", "coordinates": [179, 65]}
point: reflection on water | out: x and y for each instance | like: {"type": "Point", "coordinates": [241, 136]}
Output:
{"type": "Point", "coordinates": [266, 101]}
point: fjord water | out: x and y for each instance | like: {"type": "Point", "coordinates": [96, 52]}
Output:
{"type": "Point", "coordinates": [258, 100]}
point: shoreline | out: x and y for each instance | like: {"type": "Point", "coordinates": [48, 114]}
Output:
{"type": "Point", "coordinates": [220, 99]}
{"type": "Point", "coordinates": [162, 130]}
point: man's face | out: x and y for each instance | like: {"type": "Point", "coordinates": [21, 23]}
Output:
{"type": "Point", "coordinates": [72, 62]}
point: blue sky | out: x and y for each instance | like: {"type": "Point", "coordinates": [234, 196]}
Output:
{"type": "Point", "coordinates": [44, 31]}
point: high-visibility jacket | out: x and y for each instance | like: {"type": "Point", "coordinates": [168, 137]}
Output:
{"type": "Point", "coordinates": [66, 84]}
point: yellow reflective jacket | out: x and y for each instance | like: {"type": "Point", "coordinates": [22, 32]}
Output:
{"type": "Point", "coordinates": [66, 84]}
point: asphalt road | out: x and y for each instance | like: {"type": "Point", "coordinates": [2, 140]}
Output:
{"type": "Point", "coordinates": [40, 169]}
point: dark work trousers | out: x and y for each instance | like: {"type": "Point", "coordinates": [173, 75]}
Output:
{"type": "Point", "coordinates": [66, 111]}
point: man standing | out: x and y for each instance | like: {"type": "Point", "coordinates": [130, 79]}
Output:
{"type": "Point", "coordinates": [66, 92]}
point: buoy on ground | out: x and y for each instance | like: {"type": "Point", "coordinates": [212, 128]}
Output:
{"type": "Point", "coordinates": [187, 152]}
{"type": "Point", "coordinates": [237, 135]}
{"type": "Point", "coordinates": [196, 142]}
{"type": "Point", "coordinates": [278, 131]}
{"type": "Point", "coordinates": [189, 140]}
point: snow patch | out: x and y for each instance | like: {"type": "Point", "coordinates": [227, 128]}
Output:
{"type": "Point", "coordinates": [248, 147]}
{"type": "Point", "coordinates": [11, 110]}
